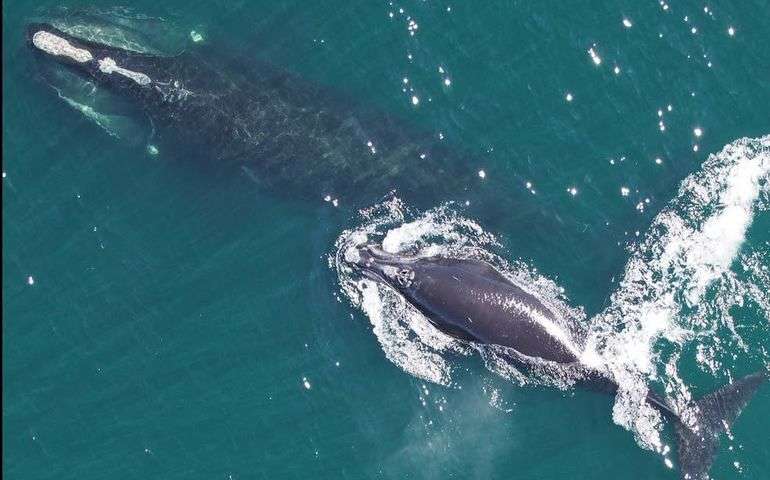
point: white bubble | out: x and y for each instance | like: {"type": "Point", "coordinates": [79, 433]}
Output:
{"type": "Point", "coordinates": [697, 131]}
{"type": "Point", "coordinates": [30, 280]}
{"type": "Point", "coordinates": [627, 23]}
{"type": "Point", "coordinates": [152, 150]}
{"type": "Point", "coordinates": [616, 70]}
{"type": "Point", "coordinates": [624, 191]}
{"type": "Point", "coordinates": [569, 97]}
{"type": "Point", "coordinates": [447, 82]}
{"type": "Point", "coordinates": [415, 100]}
{"type": "Point", "coordinates": [595, 56]}
{"type": "Point", "coordinates": [482, 174]}
{"type": "Point", "coordinates": [572, 191]}
{"type": "Point", "coordinates": [731, 31]}
{"type": "Point", "coordinates": [306, 383]}
{"type": "Point", "coordinates": [658, 161]}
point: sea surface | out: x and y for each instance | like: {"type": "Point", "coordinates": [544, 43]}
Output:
{"type": "Point", "coordinates": [164, 321]}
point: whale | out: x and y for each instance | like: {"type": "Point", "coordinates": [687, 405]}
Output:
{"type": "Point", "coordinates": [472, 301]}
{"type": "Point", "coordinates": [287, 134]}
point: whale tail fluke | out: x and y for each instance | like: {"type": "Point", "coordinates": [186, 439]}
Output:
{"type": "Point", "coordinates": [716, 413]}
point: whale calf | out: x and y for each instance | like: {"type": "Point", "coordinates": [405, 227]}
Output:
{"type": "Point", "coordinates": [284, 132]}
{"type": "Point", "coordinates": [472, 301]}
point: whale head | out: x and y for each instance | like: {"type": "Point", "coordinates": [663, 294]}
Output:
{"type": "Point", "coordinates": [374, 263]}
{"type": "Point", "coordinates": [101, 63]}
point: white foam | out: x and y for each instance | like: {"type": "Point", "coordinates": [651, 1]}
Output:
{"type": "Point", "coordinates": [595, 56]}
{"type": "Point", "coordinates": [406, 339]}
{"type": "Point", "coordinates": [690, 246]}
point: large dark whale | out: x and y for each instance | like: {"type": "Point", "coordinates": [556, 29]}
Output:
{"type": "Point", "coordinates": [287, 133]}
{"type": "Point", "coordinates": [472, 301]}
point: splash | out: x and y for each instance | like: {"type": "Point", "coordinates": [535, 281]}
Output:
{"type": "Point", "coordinates": [680, 284]}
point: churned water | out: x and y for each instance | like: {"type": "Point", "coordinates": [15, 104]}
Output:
{"type": "Point", "coordinates": [166, 319]}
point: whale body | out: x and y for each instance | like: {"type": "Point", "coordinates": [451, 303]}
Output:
{"type": "Point", "coordinates": [284, 132]}
{"type": "Point", "coordinates": [470, 300]}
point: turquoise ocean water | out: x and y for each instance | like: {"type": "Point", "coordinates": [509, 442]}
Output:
{"type": "Point", "coordinates": [163, 320]}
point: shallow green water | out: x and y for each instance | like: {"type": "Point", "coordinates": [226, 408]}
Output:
{"type": "Point", "coordinates": [163, 322]}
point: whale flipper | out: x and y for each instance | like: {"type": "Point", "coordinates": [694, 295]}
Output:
{"type": "Point", "coordinates": [716, 413]}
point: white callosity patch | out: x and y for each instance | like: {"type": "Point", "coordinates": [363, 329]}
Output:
{"type": "Point", "coordinates": [55, 45]}
{"type": "Point", "coordinates": [108, 65]}
{"type": "Point", "coordinates": [678, 286]}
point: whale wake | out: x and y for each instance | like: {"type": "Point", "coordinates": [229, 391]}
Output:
{"type": "Point", "coordinates": [694, 292]}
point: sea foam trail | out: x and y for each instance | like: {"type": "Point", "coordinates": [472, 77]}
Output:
{"type": "Point", "coordinates": [662, 299]}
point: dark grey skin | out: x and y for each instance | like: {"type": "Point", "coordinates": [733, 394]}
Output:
{"type": "Point", "coordinates": [470, 300]}
{"type": "Point", "coordinates": [286, 133]}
